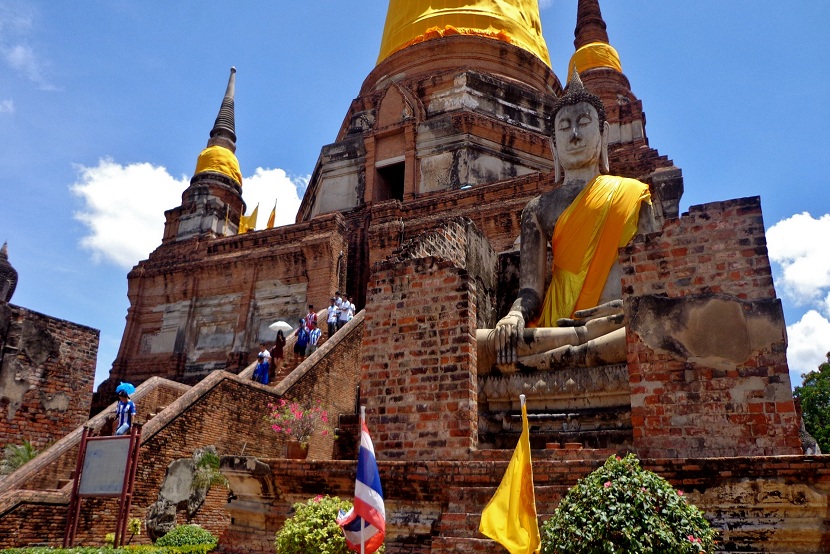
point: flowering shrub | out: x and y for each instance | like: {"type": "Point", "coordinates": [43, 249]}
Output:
{"type": "Point", "coordinates": [297, 421]}
{"type": "Point", "coordinates": [621, 507]}
{"type": "Point", "coordinates": [313, 528]}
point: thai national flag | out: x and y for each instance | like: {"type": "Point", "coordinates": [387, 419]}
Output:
{"type": "Point", "coordinates": [365, 524]}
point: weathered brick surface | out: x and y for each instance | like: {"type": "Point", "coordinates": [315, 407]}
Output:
{"type": "Point", "coordinates": [223, 410]}
{"type": "Point", "coordinates": [330, 376]}
{"type": "Point", "coordinates": [419, 360]}
{"type": "Point", "coordinates": [760, 504]}
{"type": "Point", "coordinates": [685, 405]}
{"type": "Point", "coordinates": [47, 367]}
{"type": "Point", "coordinates": [197, 306]}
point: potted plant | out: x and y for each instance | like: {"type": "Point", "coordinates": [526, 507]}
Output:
{"type": "Point", "coordinates": [298, 422]}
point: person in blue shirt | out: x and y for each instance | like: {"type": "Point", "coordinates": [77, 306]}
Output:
{"type": "Point", "coordinates": [124, 413]}
{"type": "Point", "coordinates": [302, 342]}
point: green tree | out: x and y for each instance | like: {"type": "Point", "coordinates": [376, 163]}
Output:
{"type": "Point", "coordinates": [622, 507]}
{"type": "Point", "coordinates": [15, 455]}
{"type": "Point", "coordinates": [814, 394]}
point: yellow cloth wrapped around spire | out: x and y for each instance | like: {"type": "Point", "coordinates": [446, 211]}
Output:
{"type": "Point", "coordinates": [412, 21]}
{"type": "Point", "coordinates": [221, 160]}
{"type": "Point", "coordinates": [595, 54]}
{"type": "Point", "coordinates": [601, 219]}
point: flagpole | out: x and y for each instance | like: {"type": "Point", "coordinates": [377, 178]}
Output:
{"type": "Point", "coordinates": [362, 520]}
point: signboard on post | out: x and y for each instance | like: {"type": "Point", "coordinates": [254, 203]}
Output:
{"type": "Point", "coordinates": [104, 466]}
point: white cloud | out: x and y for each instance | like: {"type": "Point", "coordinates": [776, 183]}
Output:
{"type": "Point", "coordinates": [6, 106]}
{"type": "Point", "coordinates": [124, 206]}
{"type": "Point", "coordinates": [268, 185]}
{"type": "Point", "coordinates": [809, 341]}
{"type": "Point", "coordinates": [799, 244]}
{"type": "Point", "coordinates": [545, 4]}
{"type": "Point", "coordinates": [15, 25]}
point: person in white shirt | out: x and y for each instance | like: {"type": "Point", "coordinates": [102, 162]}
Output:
{"type": "Point", "coordinates": [261, 373]}
{"type": "Point", "coordinates": [345, 312]}
{"type": "Point", "coordinates": [331, 319]}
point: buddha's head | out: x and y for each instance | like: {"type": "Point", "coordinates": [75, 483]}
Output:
{"type": "Point", "coordinates": [579, 137]}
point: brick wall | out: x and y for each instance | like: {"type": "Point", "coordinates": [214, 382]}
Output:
{"type": "Point", "coordinates": [435, 506]}
{"type": "Point", "coordinates": [419, 366]}
{"type": "Point", "coordinates": [47, 367]}
{"type": "Point", "coordinates": [706, 338]}
{"type": "Point", "coordinates": [223, 410]}
{"type": "Point", "coordinates": [197, 306]}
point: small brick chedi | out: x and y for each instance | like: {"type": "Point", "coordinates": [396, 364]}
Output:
{"type": "Point", "coordinates": [443, 207]}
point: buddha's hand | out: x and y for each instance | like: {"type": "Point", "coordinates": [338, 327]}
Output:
{"type": "Point", "coordinates": [508, 330]}
{"type": "Point", "coordinates": [610, 311]}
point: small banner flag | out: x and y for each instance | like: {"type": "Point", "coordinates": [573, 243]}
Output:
{"type": "Point", "coordinates": [272, 217]}
{"type": "Point", "coordinates": [248, 222]}
{"type": "Point", "coordinates": [510, 516]}
{"type": "Point", "coordinates": [365, 524]}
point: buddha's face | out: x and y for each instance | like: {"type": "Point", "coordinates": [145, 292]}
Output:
{"type": "Point", "coordinates": [578, 137]}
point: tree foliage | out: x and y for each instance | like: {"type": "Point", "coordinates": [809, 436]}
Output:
{"type": "Point", "coordinates": [621, 507]}
{"type": "Point", "coordinates": [814, 394]}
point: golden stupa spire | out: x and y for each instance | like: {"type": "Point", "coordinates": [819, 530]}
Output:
{"type": "Point", "coordinates": [219, 156]}
{"type": "Point", "coordinates": [591, 41]}
{"type": "Point", "coordinates": [412, 21]}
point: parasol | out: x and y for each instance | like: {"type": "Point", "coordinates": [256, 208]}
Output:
{"type": "Point", "coordinates": [125, 387]}
{"type": "Point", "coordinates": [280, 326]}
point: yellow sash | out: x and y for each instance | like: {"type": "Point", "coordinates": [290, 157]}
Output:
{"type": "Point", "coordinates": [600, 220]}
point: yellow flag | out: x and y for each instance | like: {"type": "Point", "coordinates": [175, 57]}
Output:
{"type": "Point", "coordinates": [248, 222]}
{"type": "Point", "coordinates": [510, 516]}
{"type": "Point", "coordinates": [272, 217]}
{"type": "Point", "coordinates": [252, 219]}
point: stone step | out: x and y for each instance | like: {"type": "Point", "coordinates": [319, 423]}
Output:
{"type": "Point", "coordinates": [453, 545]}
{"type": "Point", "coordinates": [62, 483]}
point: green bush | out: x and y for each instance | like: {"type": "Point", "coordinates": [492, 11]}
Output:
{"type": "Point", "coordinates": [186, 535]}
{"type": "Point", "coordinates": [621, 507]}
{"type": "Point", "coordinates": [313, 528]}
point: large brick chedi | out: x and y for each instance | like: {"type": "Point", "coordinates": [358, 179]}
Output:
{"type": "Point", "coordinates": [706, 338]}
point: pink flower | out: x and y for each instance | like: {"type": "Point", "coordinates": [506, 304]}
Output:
{"type": "Point", "coordinates": [318, 498]}
{"type": "Point", "coordinates": [680, 493]}
{"type": "Point", "coordinates": [607, 484]}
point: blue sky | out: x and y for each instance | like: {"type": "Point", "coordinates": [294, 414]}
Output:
{"type": "Point", "coordinates": [104, 106]}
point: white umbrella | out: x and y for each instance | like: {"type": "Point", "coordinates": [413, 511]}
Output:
{"type": "Point", "coordinates": [280, 326]}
